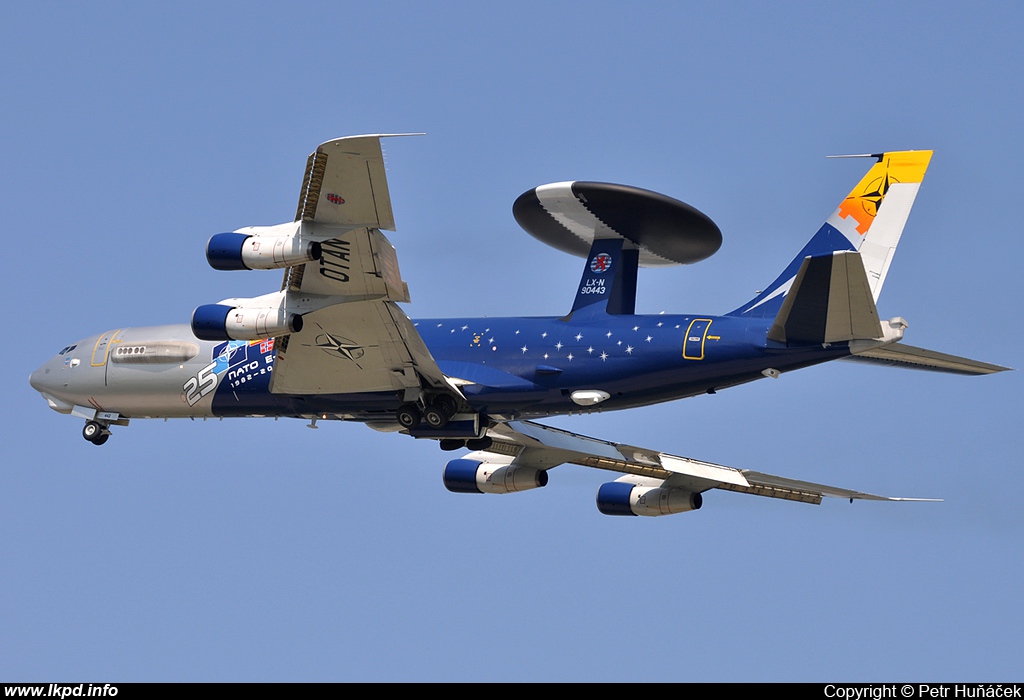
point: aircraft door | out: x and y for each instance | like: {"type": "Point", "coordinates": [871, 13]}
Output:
{"type": "Point", "coordinates": [693, 342]}
{"type": "Point", "coordinates": [101, 349]}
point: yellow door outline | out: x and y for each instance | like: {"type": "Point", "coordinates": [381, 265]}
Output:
{"type": "Point", "coordinates": [104, 342]}
{"type": "Point", "coordinates": [690, 341]}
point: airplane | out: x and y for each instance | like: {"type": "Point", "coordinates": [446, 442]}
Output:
{"type": "Point", "coordinates": [333, 344]}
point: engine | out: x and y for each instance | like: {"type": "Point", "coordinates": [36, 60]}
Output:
{"type": "Point", "coordinates": [261, 248]}
{"type": "Point", "coordinates": [634, 495]}
{"type": "Point", "coordinates": [262, 317]}
{"type": "Point", "coordinates": [481, 472]}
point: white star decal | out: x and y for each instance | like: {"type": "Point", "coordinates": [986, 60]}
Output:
{"type": "Point", "coordinates": [558, 345]}
{"type": "Point", "coordinates": [636, 328]}
{"type": "Point", "coordinates": [629, 349]}
{"type": "Point", "coordinates": [517, 332]}
{"type": "Point", "coordinates": [465, 327]}
{"type": "Point", "coordinates": [648, 339]}
{"type": "Point", "coordinates": [545, 356]}
{"type": "Point", "coordinates": [544, 334]}
{"type": "Point", "coordinates": [659, 324]}
{"type": "Point", "coordinates": [590, 350]}
{"type": "Point", "coordinates": [579, 337]}
{"type": "Point", "coordinates": [608, 334]}
{"type": "Point", "coordinates": [490, 340]}
{"type": "Point", "coordinates": [523, 349]}
{"type": "Point", "coordinates": [604, 356]}
{"type": "Point", "coordinates": [570, 357]}
{"type": "Point", "coordinates": [620, 342]}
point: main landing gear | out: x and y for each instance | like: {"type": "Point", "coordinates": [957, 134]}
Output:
{"type": "Point", "coordinates": [409, 415]}
{"type": "Point", "coordinates": [437, 412]}
{"type": "Point", "coordinates": [95, 432]}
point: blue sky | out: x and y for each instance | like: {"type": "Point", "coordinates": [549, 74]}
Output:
{"type": "Point", "coordinates": [264, 551]}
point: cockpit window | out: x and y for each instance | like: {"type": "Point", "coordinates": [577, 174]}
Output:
{"type": "Point", "coordinates": [67, 349]}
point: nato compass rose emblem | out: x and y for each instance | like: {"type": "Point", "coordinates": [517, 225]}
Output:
{"type": "Point", "coordinates": [339, 347]}
{"type": "Point", "coordinates": [872, 196]}
{"type": "Point", "coordinates": [601, 262]}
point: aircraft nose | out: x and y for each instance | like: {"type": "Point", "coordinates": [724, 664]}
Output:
{"type": "Point", "coordinates": [40, 379]}
{"type": "Point", "coordinates": [52, 385]}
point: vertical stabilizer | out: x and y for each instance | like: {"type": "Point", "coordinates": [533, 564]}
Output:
{"type": "Point", "coordinates": [869, 220]}
{"type": "Point", "coordinates": [608, 284]}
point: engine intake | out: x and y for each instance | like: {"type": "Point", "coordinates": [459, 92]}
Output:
{"type": "Point", "coordinates": [222, 322]}
{"type": "Point", "coordinates": [486, 473]}
{"type": "Point", "coordinates": [261, 248]}
{"type": "Point", "coordinates": [628, 497]}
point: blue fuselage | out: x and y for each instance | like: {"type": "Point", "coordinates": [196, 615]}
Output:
{"type": "Point", "coordinates": [530, 367]}
{"type": "Point", "coordinates": [638, 360]}
{"type": "Point", "coordinates": [511, 367]}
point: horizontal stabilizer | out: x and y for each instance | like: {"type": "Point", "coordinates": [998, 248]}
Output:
{"type": "Point", "coordinates": [909, 357]}
{"type": "Point", "coordinates": [830, 302]}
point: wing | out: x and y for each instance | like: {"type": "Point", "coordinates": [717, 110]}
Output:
{"type": "Point", "coordinates": [345, 185]}
{"type": "Point", "coordinates": [542, 447]}
{"type": "Point", "coordinates": [357, 339]}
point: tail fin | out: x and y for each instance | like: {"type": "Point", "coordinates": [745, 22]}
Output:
{"type": "Point", "coordinates": [870, 220]}
{"type": "Point", "coordinates": [608, 285]}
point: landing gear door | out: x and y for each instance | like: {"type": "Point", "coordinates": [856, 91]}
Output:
{"type": "Point", "coordinates": [693, 343]}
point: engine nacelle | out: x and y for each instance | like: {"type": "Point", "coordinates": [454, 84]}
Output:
{"type": "Point", "coordinates": [223, 322]}
{"type": "Point", "coordinates": [261, 248]}
{"type": "Point", "coordinates": [643, 496]}
{"type": "Point", "coordinates": [480, 472]}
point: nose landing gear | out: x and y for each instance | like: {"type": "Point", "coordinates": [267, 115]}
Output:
{"type": "Point", "coordinates": [95, 432]}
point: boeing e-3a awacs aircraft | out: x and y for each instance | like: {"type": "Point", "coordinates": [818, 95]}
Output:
{"type": "Point", "coordinates": [333, 344]}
